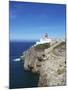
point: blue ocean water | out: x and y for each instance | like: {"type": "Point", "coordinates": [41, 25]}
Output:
{"type": "Point", "coordinates": [19, 78]}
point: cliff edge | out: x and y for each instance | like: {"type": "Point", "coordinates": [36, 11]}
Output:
{"type": "Point", "coordinates": [49, 61]}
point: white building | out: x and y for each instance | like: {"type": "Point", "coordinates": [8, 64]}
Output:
{"type": "Point", "coordinates": [44, 40]}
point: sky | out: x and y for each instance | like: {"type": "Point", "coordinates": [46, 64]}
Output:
{"type": "Point", "coordinates": [30, 21]}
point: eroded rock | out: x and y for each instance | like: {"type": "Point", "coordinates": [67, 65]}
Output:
{"type": "Point", "coordinates": [49, 63]}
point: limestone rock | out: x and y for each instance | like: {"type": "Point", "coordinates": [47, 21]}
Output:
{"type": "Point", "coordinates": [50, 63]}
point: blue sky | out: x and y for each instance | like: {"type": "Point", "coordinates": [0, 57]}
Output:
{"type": "Point", "coordinates": [30, 21]}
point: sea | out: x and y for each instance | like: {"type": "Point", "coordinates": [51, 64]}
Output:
{"type": "Point", "coordinates": [18, 77]}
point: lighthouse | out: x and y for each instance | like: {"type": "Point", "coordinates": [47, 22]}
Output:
{"type": "Point", "coordinates": [44, 39]}
{"type": "Point", "coordinates": [46, 35]}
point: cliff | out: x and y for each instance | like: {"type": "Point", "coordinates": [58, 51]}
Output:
{"type": "Point", "coordinates": [49, 61]}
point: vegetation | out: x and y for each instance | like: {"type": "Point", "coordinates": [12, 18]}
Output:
{"type": "Point", "coordinates": [42, 46]}
{"type": "Point", "coordinates": [60, 71]}
{"type": "Point", "coordinates": [62, 44]}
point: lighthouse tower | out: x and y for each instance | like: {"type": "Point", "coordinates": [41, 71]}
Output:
{"type": "Point", "coordinates": [46, 35]}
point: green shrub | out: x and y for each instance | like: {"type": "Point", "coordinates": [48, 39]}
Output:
{"type": "Point", "coordinates": [42, 46]}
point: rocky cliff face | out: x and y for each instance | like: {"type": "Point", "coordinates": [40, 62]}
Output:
{"type": "Point", "coordinates": [49, 62]}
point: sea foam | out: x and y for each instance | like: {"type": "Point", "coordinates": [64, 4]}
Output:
{"type": "Point", "coordinates": [16, 60]}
